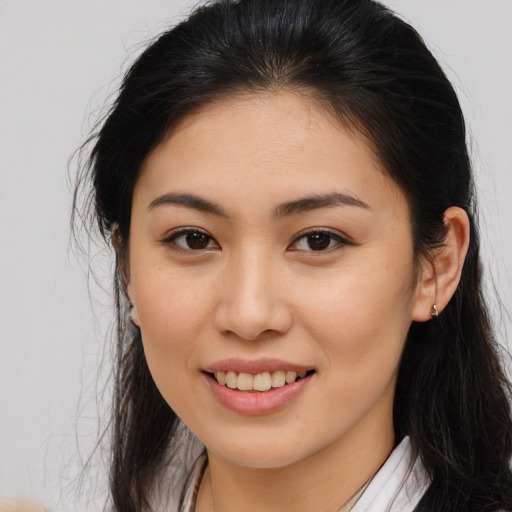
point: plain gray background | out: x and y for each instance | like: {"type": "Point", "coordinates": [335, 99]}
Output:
{"type": "Point", "coordinates": [59, 61]}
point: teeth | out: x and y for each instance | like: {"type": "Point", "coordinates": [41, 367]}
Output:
{"type": "Point", "coordinates": [231, 380]}
{"type": "Point", "coordinates": [290, 377]}
{"type": "Point", "coordinates": [278, 379]}
{"type": "Point", "coordinates": [245, 381]}
{"type": "Point", "coordinates": [260, 382]}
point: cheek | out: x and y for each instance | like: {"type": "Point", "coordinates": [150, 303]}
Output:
{"type": "Point", "coordinates": [173, 312]}
{"type": "Point", "coordinates": [361, 319]}
{"type": "Point", "coordinates": [360, 331]}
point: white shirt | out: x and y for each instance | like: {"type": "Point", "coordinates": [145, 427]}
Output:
{"type": "Point", "coordinates": [394, 488]}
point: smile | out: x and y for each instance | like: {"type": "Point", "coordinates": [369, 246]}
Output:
{"type": "Point", "coordinates": [260, 382]}
{"type": "Point", "coordinates": [258, 387]}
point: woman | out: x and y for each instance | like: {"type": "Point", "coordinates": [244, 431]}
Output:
{"type": "Point", "coordinates": [288, 191]}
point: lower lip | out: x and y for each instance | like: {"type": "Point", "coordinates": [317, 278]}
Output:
{"type": "Point", "coordinates": [257, 403]}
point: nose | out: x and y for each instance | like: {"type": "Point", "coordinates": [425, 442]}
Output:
{"type": "Point", "coordinates": [252, 298]}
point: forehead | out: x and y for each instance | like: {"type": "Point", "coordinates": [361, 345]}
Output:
{"type": "Point", "coordinates": [264, 121]}
{"type": "Point", "coordinates": [266, 143]}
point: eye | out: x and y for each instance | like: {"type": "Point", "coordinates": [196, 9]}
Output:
{"type": "Point", "coordinates": [190, 240]}
{"type": "Point", "coordinates": [317, 241]}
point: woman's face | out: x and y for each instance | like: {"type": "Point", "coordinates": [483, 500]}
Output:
{"type": "Point", "coordinates": [267, 240]}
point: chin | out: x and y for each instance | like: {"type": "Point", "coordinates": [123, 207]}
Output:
{"type": "Point", "coordinates": [258, 457]}
{"type": "Point", "coordinates": [257, 449]}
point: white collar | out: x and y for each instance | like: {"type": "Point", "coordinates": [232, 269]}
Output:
{"type": "Point", "coordinates": [398, 485]}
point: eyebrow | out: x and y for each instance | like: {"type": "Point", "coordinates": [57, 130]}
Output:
{"type": "Point", "coordinates": [318, 201]}
{"type": "Point", "coordinates": [188, 201]}
{"type": "Point", "coordinates": [304, 204]}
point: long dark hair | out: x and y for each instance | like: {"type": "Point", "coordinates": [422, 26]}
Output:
{"type": "Point", "coordinates": [373, 71]}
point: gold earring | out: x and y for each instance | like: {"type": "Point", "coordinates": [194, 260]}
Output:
{"type": "Point", "coordinates": [434, 313]}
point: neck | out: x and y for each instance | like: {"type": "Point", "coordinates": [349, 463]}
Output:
{"type": "Point", "coordinates": [331, 476]}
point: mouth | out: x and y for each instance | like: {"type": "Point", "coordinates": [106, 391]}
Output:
{"type": "Point", "coordinates": [258, 387]}
{"type": "Point", "coordinates": [260, 382]}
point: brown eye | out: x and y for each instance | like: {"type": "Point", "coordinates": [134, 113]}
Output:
{"type": "Point", "coordinates": [197, 240]}
{"type": "Point", "coordinates": [319, 241]}
{"type": "Point", "coordinates": [190, 240]}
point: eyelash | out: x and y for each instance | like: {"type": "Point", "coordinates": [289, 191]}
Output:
{"type": "Point", "coordinates": [171, 240]}
{"type": "Point", "coordinates": [173, 237]}
{"type": "Point", "coordinates": [339, 239]}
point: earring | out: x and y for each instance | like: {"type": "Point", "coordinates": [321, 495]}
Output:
{"type": "Point", "coordinates": [434, 313]}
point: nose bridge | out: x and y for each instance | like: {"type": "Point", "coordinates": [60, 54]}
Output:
{"type": "Point", "coordinates": [251, 299]}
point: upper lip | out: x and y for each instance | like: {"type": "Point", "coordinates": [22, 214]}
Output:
{"type": "Point", "coordinates": [255, 366]}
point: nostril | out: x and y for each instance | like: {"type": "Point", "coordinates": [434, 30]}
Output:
{"type": "Point", "coordinates": [252, 318]}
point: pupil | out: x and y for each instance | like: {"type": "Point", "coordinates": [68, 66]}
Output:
{"type": "Point", "coordinates": [197, 240]}
{"type": "Point", "coordinates": [318, 241]}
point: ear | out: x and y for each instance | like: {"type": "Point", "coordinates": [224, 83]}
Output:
{"type": "Point", "coordinates": [440, 274]}
{"type": "Point", "coordinates": [123, 271]}
{"type": "Point", "coordinates": [134, 313]}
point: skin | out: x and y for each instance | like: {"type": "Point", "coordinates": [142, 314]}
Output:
{"type": "Point", "coordinates": [8, 505]}
{"type": "Point", "coordinates": [258, 290]}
